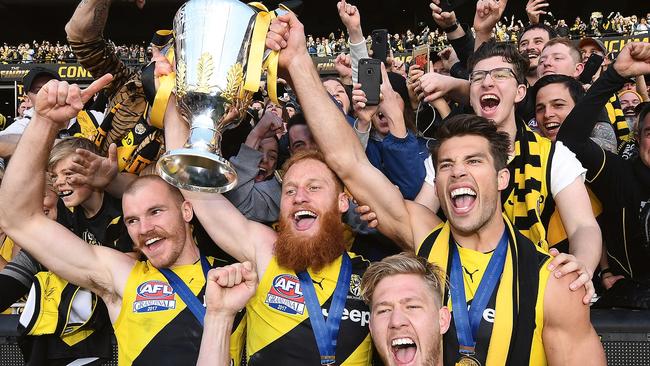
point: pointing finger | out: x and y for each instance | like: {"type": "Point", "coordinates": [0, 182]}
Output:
{"type": "Point", "coordinates": [95, 87]}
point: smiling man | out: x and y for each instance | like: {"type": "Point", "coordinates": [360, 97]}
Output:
{"type": "Point", "coordinates": [143, 298]}
{"type": "Point", "coordinates": [555, 97]}
{"type": "Point", "coordinates": [545, 176]}
{"type": "Point", "coordinates": [305, 272]}
{"type": "Point", "coordinates": [550, 322]}
{"type": "Point", "coordinates": [532, 41]}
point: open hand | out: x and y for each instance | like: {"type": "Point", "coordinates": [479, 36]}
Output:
{"type": "Point", "coordinates": [94, 170]}
{"type": "Point", "coordinates": [534, 8]}
{"type": "Point", "coordinates": [488, 13]}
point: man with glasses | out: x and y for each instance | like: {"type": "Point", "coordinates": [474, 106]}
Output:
{"type": "Point", "coordinates": [544, 176]}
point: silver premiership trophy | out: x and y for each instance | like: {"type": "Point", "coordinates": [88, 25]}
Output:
{"type": "Point", "coordinates": [213, 50]}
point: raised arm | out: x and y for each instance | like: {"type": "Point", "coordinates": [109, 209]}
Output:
{"type": "Point", "coordinates": [97, 268]}
{"type": "Point", "coordinates": [84, 31]}
{"type": "Point", "coordinates": [488, 13]}
{"type": "Point", "coordinates": [351, 18]}
{"type": "Point", "coordinates": [228, 289]}
{"type": "Point", "coordinates": [334, 136]}
{"type": "Point", "coordinates": [241, 238]}
{"type": "Point", "coordinates": [88, 20]}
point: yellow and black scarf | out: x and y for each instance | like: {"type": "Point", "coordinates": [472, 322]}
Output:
{"type": "Point", "coordinates": [528, 201]}
{"type": "Point", "coordinates": [618, 122]}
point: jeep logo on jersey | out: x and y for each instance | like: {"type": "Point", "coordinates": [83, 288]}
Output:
{"type": "Point", "coordinates": [285, 295]}
{"type": "Point", "coordinates": [154, 296]}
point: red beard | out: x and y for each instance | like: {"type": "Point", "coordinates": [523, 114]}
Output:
{"type": "Point", "coordinates": [299, 252]}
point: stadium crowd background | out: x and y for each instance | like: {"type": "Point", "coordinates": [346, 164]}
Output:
{"type": "Point", "coordinates": [323, 44]}
{"type": "Point", "coordinates": [507, 30]}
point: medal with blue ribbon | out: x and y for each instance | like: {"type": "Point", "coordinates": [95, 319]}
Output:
{"type": "Point", "coordinates": [467, 321]}
{"type": "Point", "coordinates": [326, 332]}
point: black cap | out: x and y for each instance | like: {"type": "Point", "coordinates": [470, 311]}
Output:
{"type": "Point", "coordinates": [35, 73]}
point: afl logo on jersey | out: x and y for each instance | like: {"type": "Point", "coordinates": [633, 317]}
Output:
{"type": "Point", "coordinates": [285, 295]}
{"type": "Point", "coordinates": [154, 296]}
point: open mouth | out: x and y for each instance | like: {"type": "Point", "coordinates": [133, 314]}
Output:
{"type": "Point", "coordinates": [532, 54]}
{"type": "Point", "coordinates": [551, 126]}
{"type": "Point", "coordinates": [64, 194]}
{"type": "Point", "coordinates": [462, 199]}
{"type": "Point", "coordinates": [261, 175]}
{"type": "Point", "coordinates": [404, 350]}
{"type": "Point", "coordinates": [304, 219]}
{"type": "Point", "coordinates": [489, 103]}
{"type": "Point", "coordinates": [153, 242]}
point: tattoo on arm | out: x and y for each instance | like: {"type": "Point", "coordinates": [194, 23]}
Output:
{"type": "Point", "coordinates": [99, 16]}
{"type": "Point", "coordinates": [603, 134]}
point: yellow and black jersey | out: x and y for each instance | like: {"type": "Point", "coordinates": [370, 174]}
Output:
{"type": "Point", "coordinates": [516, 307]}
{"type": "Point", "coordinates": [105, 228]}
{"type": "Point", "coordinates": [278, 328]}
{"type": "Point", "coordinates": [155, 327]}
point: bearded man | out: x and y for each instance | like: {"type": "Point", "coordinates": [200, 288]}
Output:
{"type": "Point", "coordinates": [308, 307]}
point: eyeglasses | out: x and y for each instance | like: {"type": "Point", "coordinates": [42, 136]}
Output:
{"type": "Point", "coordinates": [498, 74]}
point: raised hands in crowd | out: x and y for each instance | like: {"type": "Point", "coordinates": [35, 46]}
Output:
{"type": "Point", "coordinates": [470, 168]}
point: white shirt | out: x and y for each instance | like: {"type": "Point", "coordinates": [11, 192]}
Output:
{"type": "Point", "coordinates": [19, 125]}
{"type": "Point", "coordinates": [565, 168]}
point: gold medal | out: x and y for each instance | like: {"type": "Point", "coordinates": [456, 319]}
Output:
{"type": "Point", "coordinates": [467, 361]}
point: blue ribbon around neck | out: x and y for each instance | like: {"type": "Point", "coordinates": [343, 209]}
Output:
{"type": "Point", "coordinates": [467, 322]}
{"type": "Point", "coordinates": [190, 300]}
{"type": "Point", "coordinates": [326, 333]}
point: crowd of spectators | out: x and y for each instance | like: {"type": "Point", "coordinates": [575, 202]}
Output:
{"type": "Point", "coordinates": [539, 150]}
{"type": "Point", "coordinates": [506, 30]}
{"type": "Point", "coordinates": [60, 52]}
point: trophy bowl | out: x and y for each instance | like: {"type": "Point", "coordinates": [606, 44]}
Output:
{"type": "Point", "coordinates": [212, 45]}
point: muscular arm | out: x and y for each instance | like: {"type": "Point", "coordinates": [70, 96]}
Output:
{"type": "Point", "coordinates": [8, 145]}
{"type": "Point", "coordinates": [88, 21]}
{"type": "Point", "coordinates": [215, 342]}
{"type": "Point", "coordinates": [345, 155]}
{"type": "Point", "coordinates": [243, 239]}
{"type": "Point", "coordinates": [21, 214]}
{"type": "Point", "coordinates": [569, 338]}
{"type": "Point", "coordinates": [21, 201]}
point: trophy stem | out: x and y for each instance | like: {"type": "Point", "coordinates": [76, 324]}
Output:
{"type": "Point", "coordinates": [198, 166]}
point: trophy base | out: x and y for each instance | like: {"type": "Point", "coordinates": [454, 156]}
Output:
{"type": "Point", "coordinates": [197, 171]}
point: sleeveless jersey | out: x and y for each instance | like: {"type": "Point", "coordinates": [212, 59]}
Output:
{"type": "Point", "coordinates": [516, 307]}
{"type": "Point", "coordinates": [279, 331]}
{"type": "Point", "coordinates": [154, 326]}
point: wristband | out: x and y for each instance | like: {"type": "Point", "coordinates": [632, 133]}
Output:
{"type": "Point", "coordinates": [451, 28]}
